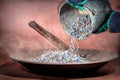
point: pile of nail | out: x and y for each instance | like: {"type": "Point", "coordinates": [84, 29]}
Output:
{"type": "Point", "coordinates": [81, 26]}
{"type": "Point", "coordinates": [61, 57]}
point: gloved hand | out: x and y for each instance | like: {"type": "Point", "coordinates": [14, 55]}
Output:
{"type": "Point", "coordinates": [112, 24]}
{"type": "Point", "coordinates": [77, 3]}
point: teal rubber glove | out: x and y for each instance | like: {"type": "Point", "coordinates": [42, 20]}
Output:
{"type": "Point", "coordinates": [77, 3]}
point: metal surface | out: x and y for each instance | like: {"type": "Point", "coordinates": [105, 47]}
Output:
{"type": "Point", "coordinates": [97, 60]}
{"type": "Point", "coordinates": [49, 36]}
{"type": "Point", "coordinates": [98, 10]}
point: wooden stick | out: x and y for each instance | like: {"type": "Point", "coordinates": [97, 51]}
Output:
{"type": "Point", "coordinates": [49, 36]}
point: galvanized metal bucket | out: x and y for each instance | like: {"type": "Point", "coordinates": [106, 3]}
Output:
{"type": "Point", "coordinates": [97, 10]}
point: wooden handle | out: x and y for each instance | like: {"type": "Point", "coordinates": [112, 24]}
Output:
{"type": "Point", "coordinates": [49, 36]}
